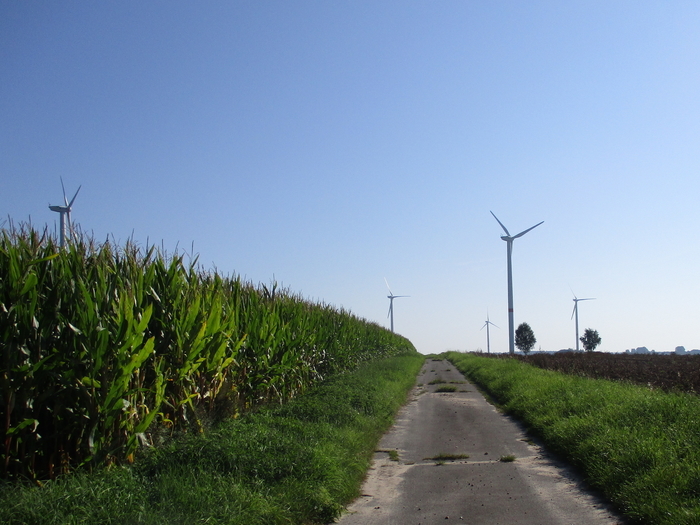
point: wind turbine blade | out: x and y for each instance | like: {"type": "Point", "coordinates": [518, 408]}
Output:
{"type": "Point", "coordinates": [391, 304]}
{"type": "Point", "coordinates": [499, 222]}
{"type": "Point", "coordinates": [588, 299]}
{"type": "Point", "coordinates": [574, 310]}
{"type": "Point", "coordinates": [492, 324]}
{"type": "Point", "coordinates": [387, 285]}
{"type": "Point", "coordinates": [64, 192]}
{"type": "Point", "coordinates": [74, 196]}
{"type": "Point", "coordinates": [523, 233]}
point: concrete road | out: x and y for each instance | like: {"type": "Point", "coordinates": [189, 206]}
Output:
{"type": "Point", "coordinates": [481, 489]}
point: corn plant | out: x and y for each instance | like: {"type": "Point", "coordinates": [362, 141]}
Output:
{"type": "Point", "coordinates": [104, 348]}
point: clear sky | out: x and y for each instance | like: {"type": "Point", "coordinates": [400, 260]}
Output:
{"type": "Point", "coordinates": [331, 145]}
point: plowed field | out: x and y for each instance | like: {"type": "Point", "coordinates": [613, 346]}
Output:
{"type": "Point", "coordinates": [673, 373]}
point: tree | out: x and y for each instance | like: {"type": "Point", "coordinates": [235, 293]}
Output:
{"type": "Point", "coordinates": [590, 339]}
{"type": "Point", "coordinates": [524, 338]}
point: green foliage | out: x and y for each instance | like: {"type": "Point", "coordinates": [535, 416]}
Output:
{"type": "Point", "coordinates": [105, 350]}
{"type": "Point", "coordinates": [444, 456]}
{"type": "Point", "coordinates": [640, 447]}
{"type": "Point", "coordinates": [524, 338]}
{"type": "Point", "coordinates": [296, 463]}
{"type": "Point", "coordinates": [590, 339]}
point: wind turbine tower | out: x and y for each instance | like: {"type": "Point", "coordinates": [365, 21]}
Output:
{"type": "Point", "coordinates": [66, 225]}
{"type": "Point", "coordinates": [509, 240]}
{"type": "Point", "coordinates": [575, 312]}
{"type": "Point", "coordinates": [391, 297]}
{"type": "Point", "coordinates": [488, 336]}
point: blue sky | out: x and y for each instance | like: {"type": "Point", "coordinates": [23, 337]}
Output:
{"type": "Point", "coordinates": [330, 145]}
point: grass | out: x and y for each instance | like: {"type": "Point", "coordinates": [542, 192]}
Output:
{"type": "Point", "coordinates": [507, 459]}
{"type": "Point", "coordinates": [640, 448]}
{"type": "Point", "coordinates": [443, 456]}
{"type": "Point", "coordinates": [393, 454]}
{"type": "Point", "coordinates": [446, 388]}
{"type": "Point", "coordinates": [297, 463]}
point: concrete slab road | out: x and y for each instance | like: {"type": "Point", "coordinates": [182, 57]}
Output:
{"type": "Point", "coordinates": [453, 467]}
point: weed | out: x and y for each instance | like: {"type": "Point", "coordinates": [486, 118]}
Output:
{"type": "Point", "coordinates": [443, 456]}
{"type": "Point", "coordinates": [393, 453]}
{"type": "Point", "coordinates": [507, 459]}
{"type": "Point", "coordinates": [446, 388]}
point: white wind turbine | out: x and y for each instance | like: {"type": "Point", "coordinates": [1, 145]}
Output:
{"type": "Point", "coordinates": [488, 336]}
{"type": "Point", "coordinates": [575, 312]}
{"type": "Point", "coordinates": [391, 297]}
{"type": "Point", "coordinates": [65, 214]}
{"type": "Point", "coordinates": [509, 239]}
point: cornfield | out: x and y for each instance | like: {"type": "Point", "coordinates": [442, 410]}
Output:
{"type": "Point", "coordinates": [107, 349]}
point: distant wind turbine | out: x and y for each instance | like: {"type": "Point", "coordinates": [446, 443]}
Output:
{"type": "Point", "coordinates": [575, 312]}
{"type": "Point", "coordinates": [509, 239]}
{"type": "Point", "coordinates": [65, 214]}
{"type": "Point", "coordinates": [391, 297]}
{"type": "Point", "coordinates": [488, 336]}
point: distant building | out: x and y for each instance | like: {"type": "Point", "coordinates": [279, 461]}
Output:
{"type": "Point", "coordinates": [638, 350]}
{"type": "Point", "coordinates": [680, 350]}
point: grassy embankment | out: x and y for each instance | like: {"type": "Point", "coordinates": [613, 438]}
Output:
{"type": "Point", "coordinates": [298, 463]}
{"type": "Point", "coordinates": [640, 447]}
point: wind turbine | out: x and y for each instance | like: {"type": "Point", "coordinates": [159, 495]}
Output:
{"type": "Point", "coordinates": [65, 214]}
{"type": "Point", "coordinates": [391, 297]}
{"type": "Point", "coordinates": [575, 312]}
{"type": "Point", "coordinates": [509, 239]}
{"type": "Point", "coordinates": [488, 336]}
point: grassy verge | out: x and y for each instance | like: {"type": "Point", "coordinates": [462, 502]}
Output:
{"type": "Point", "coordinates": [640, 447]}
{"type": "Point", "coordinates": [298, 463]}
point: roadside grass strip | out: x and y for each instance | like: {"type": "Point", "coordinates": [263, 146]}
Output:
{"type": "Point", "coordinates": [296, 463]}
{"type": "Point", "coordinates": [640, 447]}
